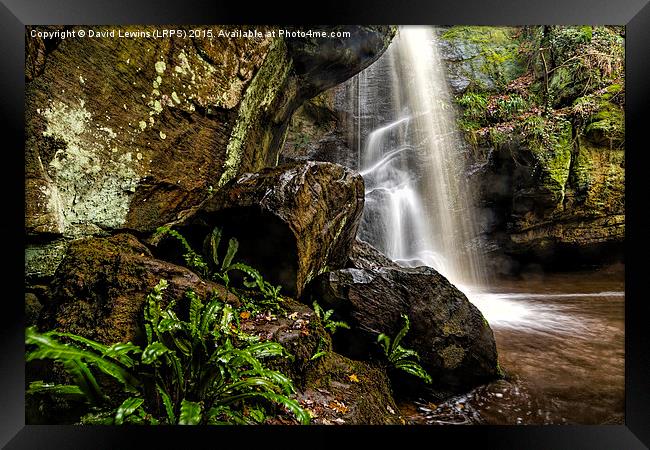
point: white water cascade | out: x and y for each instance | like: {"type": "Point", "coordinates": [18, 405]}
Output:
{"type": "Point", "coordinates": [418, 206]}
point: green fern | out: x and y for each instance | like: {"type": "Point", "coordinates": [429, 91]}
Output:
{"type": "Point", "coordinates": [219, 271]}
{"type": "Point", "coordinates": [193, 260]}
{"type": "Point", "coordinates": [191, 371]}
{"type": "Point", "coordinates": [400, 357]}
{"type": "Point", "coordinates": [324, 316]}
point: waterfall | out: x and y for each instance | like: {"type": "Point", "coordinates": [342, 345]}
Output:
{"type": "Point", "coordinates": [418, 207]}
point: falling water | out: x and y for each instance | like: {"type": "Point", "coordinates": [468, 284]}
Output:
{"type": "Point", "coordinates": [418, 205]}
{"type": "Point", "coordinates": [560, 336]}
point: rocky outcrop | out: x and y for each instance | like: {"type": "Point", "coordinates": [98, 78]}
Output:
{"type": "Point", "coordinates": [455, 343]}
{"type": "Point", "coordinates": [99, 289]}
{"type": "Point", "coordinates": [321, 130]}
{"type": "Point", "coordinates": [546, 134]}
{"type": "Point", "coordinates": [293, 222]}
{"type": "Point", "coordinates": [479, 58]}
{"type": "Point", "coordinates": [134, 132]}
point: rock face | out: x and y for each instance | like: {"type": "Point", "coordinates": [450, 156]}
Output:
{"type": "Point", "coordinates": [479, 58]}
{"type": "Point", "coordinates": [455, 343]}
{"type": "Point", "coordinates": [320, 130]}
{"type": "Point", "coordinates": [99, 289]}
{"type": "Point", "coordinates": [132, 133]}
{"type": "Point", "coordinates": [292, 222]}
{"type": "Point", "coordinates": [546, 134]}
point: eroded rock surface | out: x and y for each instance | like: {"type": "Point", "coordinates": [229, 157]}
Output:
{"type": "Point", "coordinates": [292, 222]}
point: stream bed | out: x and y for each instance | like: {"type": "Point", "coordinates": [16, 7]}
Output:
{"type": "Point", "coordinates": [560, 339]}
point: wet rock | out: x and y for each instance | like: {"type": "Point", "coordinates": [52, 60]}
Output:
{"type": "Point", "coordinates": [322, 63]}
{"type": "Point", "coordinates": [292, 222]}
{"type": "Point", "coordinates": [455, 343]}
{"type": "Point", "coordinates": [99, 289]}
{"type": "Point", "coordinates": [365, 256]}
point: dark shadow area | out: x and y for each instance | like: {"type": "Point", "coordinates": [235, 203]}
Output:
{"type": "Point", "coordinates": [265, 243]}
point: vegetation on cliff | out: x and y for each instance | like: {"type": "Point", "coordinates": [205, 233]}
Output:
{"type": "Point", "coordinates": [551, 120]}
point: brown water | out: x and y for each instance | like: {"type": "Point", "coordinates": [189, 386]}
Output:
{"type": "Point", "coordinates": [560, 340]}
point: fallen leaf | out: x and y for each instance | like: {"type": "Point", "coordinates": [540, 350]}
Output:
{"type": "Point", "coordinates": [293, 316]}
{"type": "Point", "coordinates": [244, 314]}
{"type": "Point", "coordinates": [338, 406]}
{"type": "Point", "coordinates": [353, 378]}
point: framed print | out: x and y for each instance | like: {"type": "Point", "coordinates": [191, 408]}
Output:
{"type": "Point", "coordinates": [378, 219]}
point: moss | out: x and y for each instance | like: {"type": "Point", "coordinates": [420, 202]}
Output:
{"type": "Point", "coordinates": [452, 356]}
{"type": "Point", "coordinates": [41, 261]}
{"type": "Point", "coordinates": [551, 145]}
{"type": "Point", "coordinates": [369, 400]}
{"type": "Point", "coordinates": [489, 54]}
{"type": "Point", "coordinates": [479, 34]}
{"type": "Point", "coordinates": [607, 125]}
{"type": "Point", "coordinates": [581, 171]}
{"type": "Point", "coordinates": [452, 327]}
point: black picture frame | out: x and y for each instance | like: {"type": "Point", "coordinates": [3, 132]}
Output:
{"type": "Point", "coordinates": [635, 14]}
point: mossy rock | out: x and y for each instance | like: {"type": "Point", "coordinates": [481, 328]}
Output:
{"type": "Point", "coordinates": [99, 289]}
{"type": "Point", "coordinates": [606, 126]}
{"type": "Point", "coordinates": [134, 133]}
{"type": "Point", "coordinates": [340, 390]}
{"type": "Point", "coordinates": [480, 58]}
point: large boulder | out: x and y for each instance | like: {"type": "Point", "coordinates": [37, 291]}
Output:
{"type": "Point", "coordinates": [293, 222]}
{"type": "Point", "coordinates": [132, 132]}
{"type": "Point", "coordinates": [99, 289]}
{"type": "Point", "coordinates": [455, 343]}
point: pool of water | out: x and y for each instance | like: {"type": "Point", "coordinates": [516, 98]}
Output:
{"type": "Point", "coordinates": [560, 339]}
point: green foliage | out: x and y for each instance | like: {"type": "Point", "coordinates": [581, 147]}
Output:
{"type": "Point", "coordinates": [199, 370]}
{"type": "Point", "coordinates": [400, 357]}
{"type": "Point", "coordinates": [325, 318]}
{"type": "Point", "coordinates": [480, 110]}
{"type": "Point", "coordinates": [193, 260]}
{"type": "Point", "coordinates": [219, 270]}
{"type": "Point", "coordinates": [474, 106]}
{"type": "Point", "coordinates": [320, 350]}
{"type": "Point", "coordinates": [507, 107]}
{"type": "Point", "coordinates": [584, 59]}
